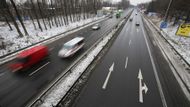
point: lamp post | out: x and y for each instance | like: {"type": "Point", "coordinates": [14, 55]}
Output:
{"type": "Point", "coordinates": [167, 11]}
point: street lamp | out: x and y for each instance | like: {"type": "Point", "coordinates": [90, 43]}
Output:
{"type": "Point", "coordinates": [167, 11]}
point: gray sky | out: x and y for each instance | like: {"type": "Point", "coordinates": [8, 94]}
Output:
{"type": "Point", "coordinates": [133, 2]}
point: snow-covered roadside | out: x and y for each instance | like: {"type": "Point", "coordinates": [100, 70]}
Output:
{"type": "Point", "coordinates": [181, 44]}
{"type": "Point", "coordinates": [61, 88]}
{"type": "Point", "coordinates": [177, 65]}
{"type": "Point", "coordinates": [15, 43]}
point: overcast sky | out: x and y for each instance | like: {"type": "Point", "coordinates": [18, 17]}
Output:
{"type": "Point", "coordinates": [133, 2]}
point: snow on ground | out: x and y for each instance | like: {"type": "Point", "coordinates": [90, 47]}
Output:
{"type": "Point", "coordinates": [181, 44]}
{"type": "Point", "coordinates": [14, 42]}
{"type": "Point", "coordinates": [63, 87]}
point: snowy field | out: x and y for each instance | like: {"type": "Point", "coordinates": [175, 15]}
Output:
{"type": "Point", "coordinates": [13, 42]}
{"type": "Point", "coordinates": [181, 44]}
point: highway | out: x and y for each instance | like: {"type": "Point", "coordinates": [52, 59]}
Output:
{"type": "Point", "coordinates": [17, 89]}
{"type": "Point", "coordinates": [133, 73]}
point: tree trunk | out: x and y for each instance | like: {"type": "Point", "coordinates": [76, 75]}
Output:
{"type": "Point", "coordinates": [35, 13]}
{"type": "Point", "coordinates": [41, 14]}
{"type": "Point", "coordinates": [53, 13]}
{"type": "Point", "coordinates": [14, 22]}
{"type": "Point", "coordinates": [19, 17]}
{"type": "Point", "coordinates": [29, 12]}
{"type": "Point", "coordinates": [46, 13]}
{"type": "Point", "coordinates": [63, 12]}
{"type": "Point", "coordinates": [66, 11]}
{"type": "Point", "coordinates": [5, 17]}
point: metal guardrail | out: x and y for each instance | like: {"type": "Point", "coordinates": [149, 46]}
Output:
{"type": "Point", "coordinates": [9, 54]}
{"type": "Point", "coordinates": [122, 24]}
{"type": "Point", "coordinates": [159, 32]}
{"type": "Point", "coordinates": [40, 97]}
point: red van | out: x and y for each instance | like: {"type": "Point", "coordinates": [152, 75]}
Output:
{"type": "Point", "coordinates": [29, 57]}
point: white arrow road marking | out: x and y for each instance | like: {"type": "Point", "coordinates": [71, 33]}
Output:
{"type": "Point", "coordinates": [126, 62]}
{"type": "Point", "coordinates": [137, 29]}
{"type": "Point", "coordinates": [155, 71]}
{"type": "Point", "coordinates": [141, 88]}
{"type": "Point", "coordinates": [129, 42]}
{"type": "Point", "coordinates": [108, 76]}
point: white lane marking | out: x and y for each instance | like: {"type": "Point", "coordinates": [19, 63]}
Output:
{"type": "Point", "coordinates": [126, 62]}
{"type": "Point", "coordinates": [129, 42]}
{"type": "Point", "coordinates": [38, 69]}
{"type": "Point", "coordinates": [2, 74]}
{"type": "Point", "coordinates": [51, 49]}
{"type": "Point", "coordinates": [108, 76]}
{"type": "Point", "coordinates": [141, 88]}
{"type": "Point", "coordinates": [155, 72]}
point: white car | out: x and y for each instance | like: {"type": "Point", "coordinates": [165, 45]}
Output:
{"type": "Point", "coordinates": [96, 27]}
{"type": "Point", "coordinates": [71, 47]}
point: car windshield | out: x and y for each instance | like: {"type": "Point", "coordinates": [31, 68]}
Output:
{"type": "Point", "coordinates": [66, 46]}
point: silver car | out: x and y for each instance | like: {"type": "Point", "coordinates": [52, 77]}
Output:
{"type": "Point", "coordinates": [96, 27]}
{"type": "Point", "coordinates": [71, 47]}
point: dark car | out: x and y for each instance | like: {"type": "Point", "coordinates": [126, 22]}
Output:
{"type": "Point", "coordinates": [137, 24]}
{"type": "Point", "coordinates": [131, 19]}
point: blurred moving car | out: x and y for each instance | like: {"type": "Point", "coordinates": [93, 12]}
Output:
{"type": "Point", "coordinates": [29, 57]}
{"type": "Point", "coordinates": [96, 27]}
{"type": "Point", "coordinates": [71, 47]}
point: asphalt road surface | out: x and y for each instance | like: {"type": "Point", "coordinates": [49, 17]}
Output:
{"type": "Point", "coordinates": [17, 89]}
{"type": "Point", "coordinates": [127, 75]}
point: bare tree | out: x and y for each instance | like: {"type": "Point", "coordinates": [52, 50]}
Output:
{"type": "Point", "coordinates": [41, 14]}
{"type": "Point", "coordinates": [34, 9]}
{"type": "Point", "coordinates": [19, 17]}
{"type": "Point", "coordinates": [13, 20]}
{"type": "Point", "coordinates": [5, 17]}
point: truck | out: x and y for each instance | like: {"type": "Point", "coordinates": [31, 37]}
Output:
{"type": "Point", "coordinates": [118, 15]}
{"type": "Point", "coordinates": [28, 58]}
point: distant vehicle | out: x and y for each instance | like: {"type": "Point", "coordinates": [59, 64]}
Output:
{"type": "Point", "coordinates": [29, 57]}
{"type": "Point", "coordinates": [131, 19]}
{"type": "Point", "coordinates": [118, 15]}
{"type": "Point", "coordinates": [71, 47]}
{"type": "Point", "coordinates": [137, 24]}
{"type": "Point", "coordinates": [135, 13]}
{"type": "Point", "coordinates": [110, 16]}
{"type": "Point", "coordinates": [96, 27]}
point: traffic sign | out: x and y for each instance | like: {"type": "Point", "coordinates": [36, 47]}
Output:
{"type": "Point", "coordinates": [183, 30]}
{"type": "Point", "coordinates": [164, 24]}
